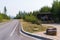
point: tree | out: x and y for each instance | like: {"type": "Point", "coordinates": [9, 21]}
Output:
{"type": "Point", "coordinates": [45, 9]}
{"type": "Point", "coordinates": [5, 10]}
{"type": "Point", "coordinates": [19, 15]}
{"type": "Point", "coordinates": [56, 10]}
{"type": "Point", "coordinates": [35, 13]}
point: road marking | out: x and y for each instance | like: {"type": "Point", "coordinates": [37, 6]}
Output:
{"type": "Point", "coordinates": [13, 30]}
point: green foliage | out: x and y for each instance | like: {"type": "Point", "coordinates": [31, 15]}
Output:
{"type": "Point", "coordinates": [1, 18]}
{"type": "Point", "coordinates": [27, 17]}
{"type": "Point", "coordinates": [5, 16]}
{"type": "Point", "coordinates": [35, 13]}
{"type": "Point", "coordinates": [56, 10]}
{"type": "Point", "coordinates": [20, 15]}
{"type": "Point", "coordinates": [45, 9]}
{"type": "Point", "coordinates": [31, 18]}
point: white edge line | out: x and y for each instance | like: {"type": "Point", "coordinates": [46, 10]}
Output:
{"type": "Point", "coordinates": [13, 31]}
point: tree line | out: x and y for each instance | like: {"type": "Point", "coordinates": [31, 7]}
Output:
{"type": "Point", "coordinates": [32, 16]}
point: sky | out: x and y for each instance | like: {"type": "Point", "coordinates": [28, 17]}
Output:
{"type": "Point", "coordinates": [14, 6]}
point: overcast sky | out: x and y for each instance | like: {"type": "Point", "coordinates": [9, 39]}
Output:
{"type": "Point", "coordinates": [13, 6]}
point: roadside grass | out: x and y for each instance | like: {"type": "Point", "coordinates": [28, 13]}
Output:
{"type": "Point", "coordinates": [4, 20]}
{"type": "Point", "coordinates": [29, 27]}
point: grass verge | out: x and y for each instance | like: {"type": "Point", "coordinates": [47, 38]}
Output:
{"type": "Point", "coordinates": [29, 27]}
{"type": "Point", "coordinates": [4, 20]}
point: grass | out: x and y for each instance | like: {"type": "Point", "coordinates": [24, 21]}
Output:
{"type": "Point", "coordinates": [4, 20]}
{"type": "Point", "coordinates": [29, 27]}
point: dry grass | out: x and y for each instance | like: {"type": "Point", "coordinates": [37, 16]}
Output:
{"type": "Point", "coordinates": [29, 27]}
{"type": "Point", "coordinates": [5, 20]}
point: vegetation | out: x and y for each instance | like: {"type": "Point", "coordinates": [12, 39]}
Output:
{"type": "Point", "coordinates": [3, 16]}
{"type": "Point", "coordinates": [45, 9]}
{"type": "Point", "coordinates": [5, 10]}
{"type": "Point", "coordinates": [56, 10]}
{"type": "Point", "coordinates": [27, 17]}
{"type": "Point", "coordinates": [27, 26]}
{"type": "Point", "coordinates": [32, 16]}
{"type": "Point", "coordinates": [31, 19]}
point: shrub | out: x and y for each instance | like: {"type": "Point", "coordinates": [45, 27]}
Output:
{"type": "Point", "coordinates": [1, 18]}
{"type": "Point", "coordinates": [31, 18]}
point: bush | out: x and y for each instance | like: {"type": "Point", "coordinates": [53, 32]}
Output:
{"type": "Point", "coordinates": [31, 18]}
{"type": "Point", "coordinates": [1, 18]}
{"type": "Point", "coordinates": [4, 16]}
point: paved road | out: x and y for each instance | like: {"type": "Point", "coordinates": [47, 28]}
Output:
{"type": "Point", "coordinates": [10, 31]}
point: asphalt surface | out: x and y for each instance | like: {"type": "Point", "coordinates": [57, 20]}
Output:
{"type": "Point", "coordinates": [7, 31]}
{"type": "Point", "coordinates": [10, 31]}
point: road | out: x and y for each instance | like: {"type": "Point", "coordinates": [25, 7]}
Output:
{"type": "Point", "coordinates": [10, 31]}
